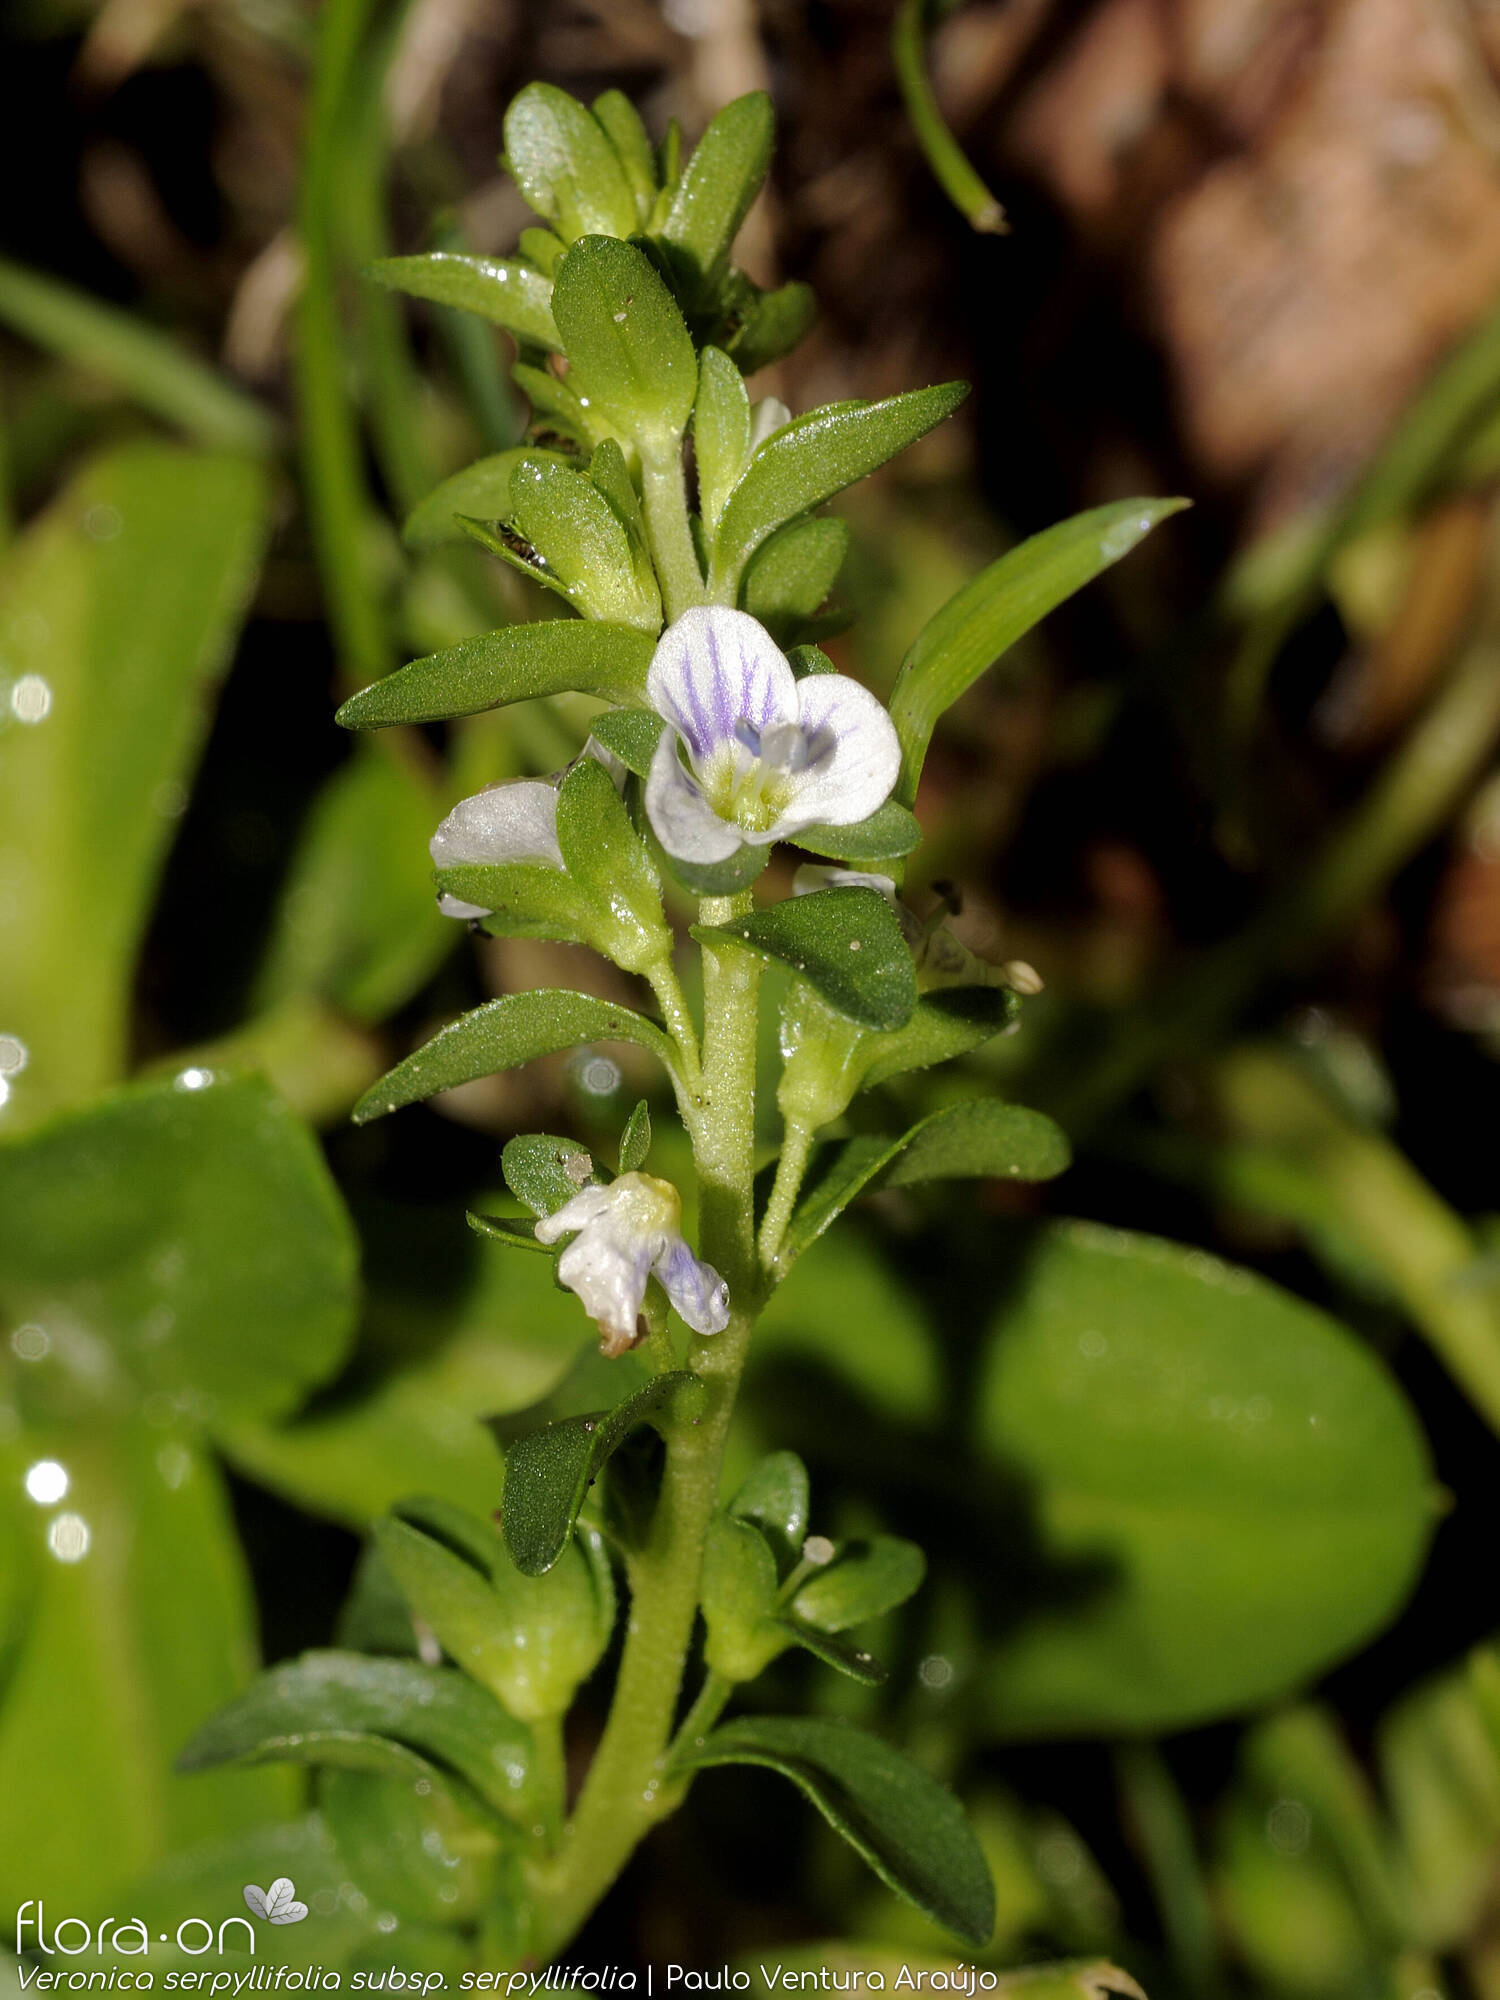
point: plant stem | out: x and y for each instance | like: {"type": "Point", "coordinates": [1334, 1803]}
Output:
{"type": "Point", "coordinates": [625, 1792]}
{"type": "Point", "coordinates": [664, 501]}
{"type": "Point", "coordinates": [796, 1145]}
{"type": "Point", "coordinates": [664, 983]}
{"type": "Point", "coordinates": [947, 159]}
{"type": "Point", "coordinates": [708, 1705]}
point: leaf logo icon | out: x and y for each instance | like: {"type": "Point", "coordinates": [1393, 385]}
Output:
{"type": "Point", "coordinates": [278, 1904]}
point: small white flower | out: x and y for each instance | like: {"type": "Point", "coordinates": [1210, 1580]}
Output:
{"type": "Point", "coordinates": [815, 875]}
{"type": "Point", "coordinates": [511, 822]}
{"type": "Point", "coordinates": [767, 754]}
{"type": "Point", "coordinates": [626, 1232]}
{"type": "Point", "coordinates": [514, 821]}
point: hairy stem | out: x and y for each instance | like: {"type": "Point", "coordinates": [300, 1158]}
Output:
{"type": "Point", "coordinates": [796, 1145]}
{"type": "Point", "coordinates": [625, 1792]}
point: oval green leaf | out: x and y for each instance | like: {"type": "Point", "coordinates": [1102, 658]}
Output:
{"type": "Point", "coordinates": [844, 942]}
{"type": "Point", "coordinates": [517, 663]}
{"type": "Point", "coordinates": [503, 290]}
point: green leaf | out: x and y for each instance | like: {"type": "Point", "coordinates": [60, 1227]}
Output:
{"type": "Point", "coordinates": [548, 1472]}
{"type": "Point", "coordinates": [865, 1580]}
{"type": "Point", "coordinates": [524, 898]}
{"type": "Point", "coordinates": [518, 663]}
{"type": "Point", "coordinates": [509, 1231]}
{"type": "Point", "coordinates": [542, 248]}
{"type": "Point", "coordinates": [611, 863]}
{"type": "Point", "coordinates": [504, 290]}
{"type": "Point", "coordinates": [628, 347]}
{"type": "Point", "coordinates": [890, 833]}
{"type": "Point", "coordinates": [583, 543]}
{"type": "Point", "coordinates": [356, 923]}
{"type": "Point", "coordinates": [987, 616]}
{"type": "Point", "coordinates": [909, 1828]}
{"type": "Point", "coordinates": [1227, 1486]}
{"type": "Point", "coordinates": [556, 406]}
{"type": "Point", "coordinates": [142, 1224]}
{"type": "Point", "coordinates": [973, 1140]}
{"type": "Point", "coordinates": [409, 1839]}
{"type": "Point", "coordinates": [117, 347]}
{"type": "Point", "coordinates": [481, 490]}
{"type": "Point", "coordinates": [773, 326]}
{"type": "Point", "coordinates": [946, 1023]}
{"type": "Point", "coordinates": [807, 463]}
{"type": "Point", "coordinates": [501, 1035]}
{"type": "Point", "coordinates": [566, 166]}
{"type": "Point", "coordinates": [631, 734]}
{"type": "Point", "coordinates": [141, 1623]}
{"type": "Point", "coordinates": [621, 123]}
{"type": "Point", "coordinates": [330, 1707]}
{"type": "Point", "coordinates": [737, 1594]}
{"type": "Point", "coordinates": [718, 878]}
{"type": "Point", "coordinates": [635, 1140]}
{"type": "Point", "coordinates": [119, 607]}
{"type": "Point", "coordinates": [529, 1639]}
{"type": "Point", "coordinates": [848, 1660]}
{"type": "Point", "coordinates": [713, 197]}
{"type": "Point", "coordinates": [611, 475]}
{"type": "Point", "coordinates": [777, 1498]}
{"type": "Point", "coordinates": [846, 943]}
{"type": "Point", "coordinates": [721, 432]}
{"type": "Point", "coordinates": [537, 1167]}
{"type": "Point", "coordinates": [792, 572]}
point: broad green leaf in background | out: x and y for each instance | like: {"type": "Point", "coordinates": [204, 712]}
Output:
{"type": "Point", "coordinates": [517, 663]}
{"type": "Point", "coordinates": [143, 1615]}
{"type": "Point", "coordinates": [481, 490]}
{"type": "Point", "coordinates": [357, 922]}
{"type": "Point", "coordinates": [988, 615]}
{"type": "Point", "coordinates": [566, 165]}
{"type": "Point", "coordinates": [503, 289]}
{"type": "Point", "coordinates": [415, 1844]}
{"type": "Point", "coordinates": [1228, 1491]}
{"type": "Point", "coordinates": [181, 1238]}
{"type": "Point", "coordinates": [184, 1236]}
{"type": "Point", "coordinates": [548, 1472]}
{"type": "Point", "coordinates": [118, 609]}
{"type": "Point", "coordinates": [909, 1829]}
{"type": "Point", "coordinates": [503, 1034]}
{"type": "Point", "coordinates": [844, 942]}
{"type": "Point", "coordinates": [814, 458]}
{"type": "Point", "coordinates": [627, 344]}
{"type": "Point", "coordinates": [339, 1708]}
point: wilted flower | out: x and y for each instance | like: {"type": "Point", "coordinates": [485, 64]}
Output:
{"type": "Point", "coordinates": [767, 754]}
{"type": "Point", "coordinates": [629, 1232]}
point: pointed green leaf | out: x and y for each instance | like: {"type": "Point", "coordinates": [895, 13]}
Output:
{"type": "Point", "coordinates": [910, 1829]}
{"type": "Point", "coordinates": [545, 1172]}
{"type": "Point", "coordinates": [328, 1707]}
{"type": "Point", "coordinates": [807, 463]}
{"type": "Point", "coordinates": [988, 615]}
{"type": "Point", "coordinates": [946, 1023]}
{"type": "Point", "coordinates": [846, 943]}
{"type": "Point", "coordinates": [621, 123]}
{"type": "Point", "coordinates": [969, 1141]}
{"type": "Point", "coordinates": [548, 1472]}
{"type": "Point", "coordinates": [635, 1140]}
{"type": "Point", "coordinates": [864, 1580]}
{"type": "Point", "coordinates": [509, 1231]}
{"type": "Point", "coordinates": [721, 432]}
{"type": "Point", "coordinates": [718, 184]}
{"type": "Point", "coordinates": [583, 543]}
{"type": "Point", "coordinates": [845, 1659]}
{"type": "Point", "coordinates": [773, 326]}
{"type": "Point", "coordinates": [501, 1035]}
{"type": "Point", "coordinates": [556, 406]}
{"type": "Point", "coordinates": [518, 663]}
{"type": "Point", "coordinates": [631, 734]}
{"type": "Point", "coordinates": [503, 290]}
{"type": "Point", "coordinates": [888, 834]}
{"type": "Point", "coordinates": [791, 574]}
{"type": "Point", "coordinates": [611, 864]}
{"type": "Point", "coordinates": [628, 347]}
{"type": "Point", "coordinates": [566, 166]}
{"type": "Point", "coordinates": [481, 490]}
{"type": "Point", "coordinates": [777, 1498]}
{"type": "Point", "coordinates": [525, 899]}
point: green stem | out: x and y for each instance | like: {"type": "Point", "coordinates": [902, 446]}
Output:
{"type": "Point", "coordinates": [708, 1706]}
{"type": "Point", "coordinates": [625, 1792]}
{"type": "Point", "coordinates": [796, 1145]}
{"type": "Point", "coordinates": [664, 983]}
{"type": "Point", "coordinates": [947, 159]}
{"type": "Point", "coordinates": [664, 501]}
